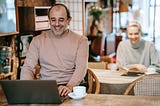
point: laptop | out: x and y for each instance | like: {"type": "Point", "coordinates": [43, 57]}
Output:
{"type": "Point", "coordinates": [31, 91]}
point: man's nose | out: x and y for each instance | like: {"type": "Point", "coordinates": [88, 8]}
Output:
{"type": "Point", "coordinates": [57, 23]}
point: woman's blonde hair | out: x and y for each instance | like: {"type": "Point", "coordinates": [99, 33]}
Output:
{"type": "Point", "coordinates": [134, 24]}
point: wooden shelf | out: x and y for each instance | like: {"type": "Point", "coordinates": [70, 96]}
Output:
{"type": "Point", "coordinates": [33, 18]}
{"type": "Point", "coordinates": [9, 34]}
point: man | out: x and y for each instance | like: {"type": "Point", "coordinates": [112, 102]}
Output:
{"type": "Point", "coordinates": [136, 52]}
{"type": "Point", "coordinates": [61, 53]}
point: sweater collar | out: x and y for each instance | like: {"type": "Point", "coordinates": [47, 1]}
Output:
{"type": "Point", "coordinates": [51, 35]}
{"type": "Point", "coordinates": [138, 45]}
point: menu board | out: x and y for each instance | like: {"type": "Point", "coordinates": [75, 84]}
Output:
{"type": "Point", "coordinates": [8, 24]}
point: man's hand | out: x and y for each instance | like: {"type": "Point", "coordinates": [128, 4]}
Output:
{"type": "Point", "coordinates": [64, 90]}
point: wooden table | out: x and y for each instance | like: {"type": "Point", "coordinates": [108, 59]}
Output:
{"type": "Point", "coordinates": [112, 82]}
{"type": "Point", "coordinates": [99, 100]}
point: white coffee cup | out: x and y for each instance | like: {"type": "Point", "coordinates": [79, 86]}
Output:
{"type": "Point", "coordinates": [112, 66]}
{"type": "Point", "coordinates": [79, 91]}
{"type": "Point", "coordinates": [151, 70]}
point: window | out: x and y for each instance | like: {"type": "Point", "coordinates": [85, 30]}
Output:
{"type": "Point", "coordinates": [7, 17]}
{"type": "Point", "coordinates": [154, 26]}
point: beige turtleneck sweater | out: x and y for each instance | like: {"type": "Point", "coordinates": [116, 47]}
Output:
{"type": "Point", "coordinates": [63, 59]}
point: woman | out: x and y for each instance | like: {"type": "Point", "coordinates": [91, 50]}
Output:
{"type": "Point", "coordinates": [136, 52]}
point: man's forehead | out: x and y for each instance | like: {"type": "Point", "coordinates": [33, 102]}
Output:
{"type": "Point", "coordinates": [57, 8]}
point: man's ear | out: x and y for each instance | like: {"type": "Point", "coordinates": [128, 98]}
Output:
{"type": "Point", "coordinates": [69, 20]}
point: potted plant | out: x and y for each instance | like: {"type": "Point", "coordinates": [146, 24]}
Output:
{"type": "Point", "coordinates": [96, 12]}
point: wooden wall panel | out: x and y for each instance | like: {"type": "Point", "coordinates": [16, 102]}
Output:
{"type": "Point", "coordinates": [31, 3]}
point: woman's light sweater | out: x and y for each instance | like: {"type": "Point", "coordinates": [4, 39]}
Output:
{"type": "Point", "coordinates": [143, 52]}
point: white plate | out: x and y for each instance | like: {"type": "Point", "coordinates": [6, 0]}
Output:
{"type": "Point", "coordinates": [73, 96]}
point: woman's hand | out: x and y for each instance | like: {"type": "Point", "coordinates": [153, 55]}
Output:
{"type": "Point", "coordinates": [64, 90]}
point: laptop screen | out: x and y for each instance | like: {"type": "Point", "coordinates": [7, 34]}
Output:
{"type": "Point", "coordinates": [31, 91]}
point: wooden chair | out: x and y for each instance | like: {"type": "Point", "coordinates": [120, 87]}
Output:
{"type": "Point", "coordinates": [102, 64]}
{"type": "Point", "coordinates": [147, 85]}
{"type": "Point", "coordinates": [37, 71]}
{"type": "Point", "coordinates": [96, 46]}
{"type": "Point", "coordinates": [93, 82]}
{"type": "Point", "coordinates": [97, 65]}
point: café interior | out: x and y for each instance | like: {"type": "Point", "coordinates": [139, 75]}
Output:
{"type": "Point", "coordinates": [104, 23]}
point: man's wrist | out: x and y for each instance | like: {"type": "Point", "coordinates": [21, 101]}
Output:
{"type": "Point", "coordinates": [70, 87]}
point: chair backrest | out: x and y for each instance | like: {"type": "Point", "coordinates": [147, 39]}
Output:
{"type": "Point", "coordinates": [93, 82]}
{"type": "Point", "coordinates": [97, 65]}
{"type": "Point", "coordinates": [147, 85]}
{"type": "Point", "coordinates": [96, 46]}
{"type": "Point", "coordinates": [102, 64]}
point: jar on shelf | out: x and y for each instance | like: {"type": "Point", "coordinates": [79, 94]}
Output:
{"type": "Point", "coordinates": [5, 59]}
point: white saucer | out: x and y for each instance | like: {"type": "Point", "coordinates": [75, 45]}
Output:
{"type": "Point", "coordinates": [73, 96]}
{"type": "Point", "coordinates": [150, 72]}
